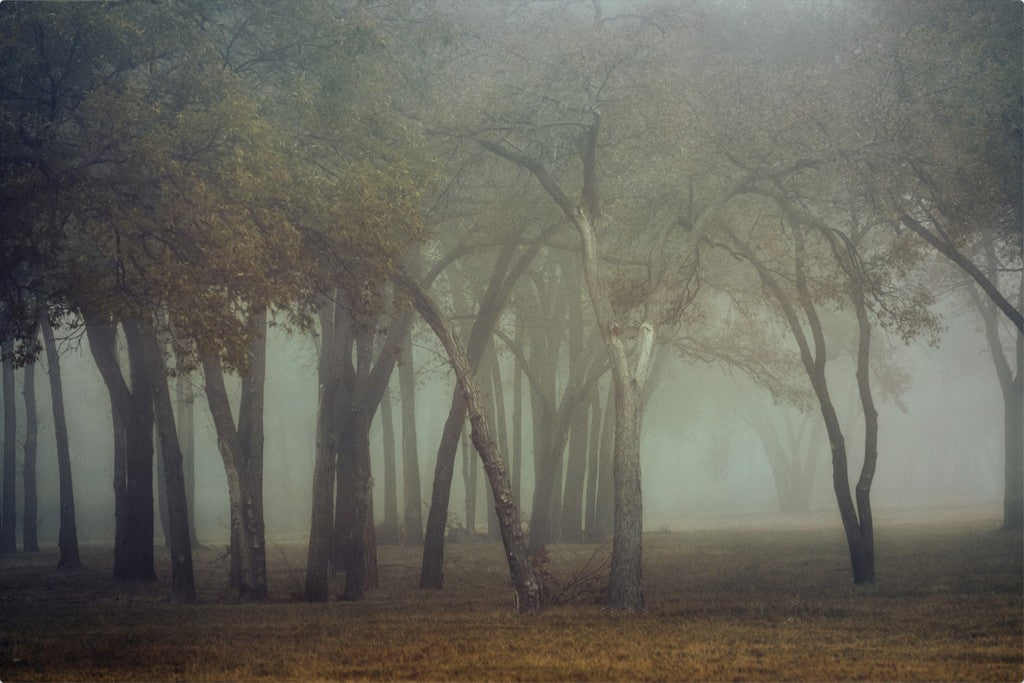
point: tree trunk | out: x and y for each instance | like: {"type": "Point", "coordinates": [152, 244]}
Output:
{"type": "Point", "coordinates": [138, 462]}
{"type": "Point", "coordinates": [412, 526]}
{"type": "Point", "coordinates": [524, 581]}
{"type": "Point", "coordinates": [180, 545]}
{"type": "Point", "coordinates": [626, 575]}
{"type": "Point", "coordinates": [604, 516]}
{"type": "Point", "coordinates": [133, 553]}
{"type": "Point", "coordinates": [8, 522]}
{"type": "Point", "coordinates": [161, 487]}
{"type": "Point", "coordinates": [389, 530]}
{"type": "Point", "coordinates": [356, 549]}
{"type": "Point", "coordinates": [1013, 429]}
{"type": "Point", "coordinates": [185, 414]}
{"type": "Point", "coordinates": [593, 467]}
{"type": "Point", "coordinates": [328, 432]}
{"type": "Point", "coordinates": [470, 485]}
{"type": "Point", "coordinates": [503, 279]}
{"type": "Point", "coordinates": [29, 536]}
{"type": "Point", "coordinates": [501, 424]}
{"type": "Point", "coordinates": [241, 449]}
{"type": "Point", "coordinates": [575, 475]}
{"type": "Point", "coordinates": [67, 539]}
{"type": "Point", "coordinates": [517, 420]}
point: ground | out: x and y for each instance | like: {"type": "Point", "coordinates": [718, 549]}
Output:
{"type": "Point", "coordinates": [763, 603]}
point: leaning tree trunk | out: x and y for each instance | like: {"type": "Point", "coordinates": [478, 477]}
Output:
{"type": "Point", "coordinates": [29, 536]}
{"type": "Point", "coordinates": [8, 529]}
{"type": "Point", "coordinates": [525, 583]}
{"type": "Point", "coordinates": [67, 539]}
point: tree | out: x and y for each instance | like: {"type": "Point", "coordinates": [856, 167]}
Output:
{"type": "Point", "coordinates": [29, 534]}
{"type": "Point", "coordinates": [67, 538]}
{"type": "Point", "coordinates": [524, 580]}
{"type": "Point", "coordinates": [8, 523]}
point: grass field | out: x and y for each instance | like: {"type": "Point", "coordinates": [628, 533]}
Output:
{"type": "Point", "coordinates": [728, 604]}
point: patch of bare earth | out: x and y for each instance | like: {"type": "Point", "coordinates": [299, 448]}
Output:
{"type": "Point", "coordinates": [767, 603]}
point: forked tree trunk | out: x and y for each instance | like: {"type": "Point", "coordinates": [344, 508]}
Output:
{"type": "Point", "coordinates": [8, 522]}
{"type": "Point", "coordinates": [133, 555]}
{"type": "Point", "coordinates": [67, 539]}
{"type": "Point", "coordinates": [29, 535]}
{"type": "Point", "coordinates": [241, 448]}
{"type": "Point", "coordinates": [525, 583]}
{"type": "Point", "coordinates": [412, 513]}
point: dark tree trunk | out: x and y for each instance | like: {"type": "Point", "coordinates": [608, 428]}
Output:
{"type": "Point", "coordinates": [67, 539]}
{"type": "Point", "coordinates": [8, 522]}
{"type": "Point", "coordinates": [180, 545]}
{"type": "Point", "coordinates": [328, 433]}
{"type": "Point", "coordinates": [29, 536]}
{"type": "Point", "coordinates": [412, 526]}
{"type": "Point", "coordinates": [355, 536]}
{"type": "Point", "coordinates": [470, 485]}
{"type": "Point", "coordinates": [161, 487]}
{"type": "Point", "coordinates": [133, 551]}
{"type": "Point", "coordinates": [138, 463]}
{"type": "Point", "coordinates": [185, 415]}
{"type": "Point", "coordinates": [524, 580]}
{"type": "Point", "coordinates": [389, 530]}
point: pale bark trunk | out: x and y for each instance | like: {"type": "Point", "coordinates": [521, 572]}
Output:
{"type": "Point", "coordinates": [67, 539]}
{"type": "Point", "coordinates": [29, 535]}
{"type": "Point", "coordinates": [625, 589]}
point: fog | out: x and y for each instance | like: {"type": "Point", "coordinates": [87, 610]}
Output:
{"type": "Point", "coordinates": [941, 452]}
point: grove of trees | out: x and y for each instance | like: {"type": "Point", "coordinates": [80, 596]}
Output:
{"type": "Point", "coordinates": [565, 196]}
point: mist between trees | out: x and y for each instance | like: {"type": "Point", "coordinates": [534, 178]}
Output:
{"type": "Point", "coordinates": [540, 272]}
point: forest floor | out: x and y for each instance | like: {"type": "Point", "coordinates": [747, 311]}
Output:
{"type": "Point", "coordinates": [723, 604]}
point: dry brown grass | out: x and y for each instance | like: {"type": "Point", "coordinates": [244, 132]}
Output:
{"type": "Point", "coordinates": [723, 605]}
